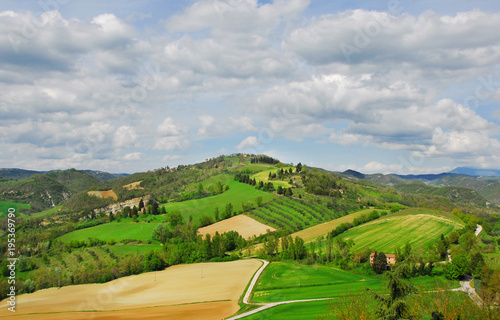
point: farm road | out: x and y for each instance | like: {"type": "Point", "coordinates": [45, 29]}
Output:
{"type": "Point", "coordinates": [264, 306]}
{"type": "Point", "coordinates": [465, 287]}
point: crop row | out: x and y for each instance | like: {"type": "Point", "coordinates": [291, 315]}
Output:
{"type": "Point", "coordinates": [289, 212]}
{"type": "Point", "coordinates": [292, 215]}
{"type": "Point", "coordinates": [285, 216]}
{"type": "Point", "coordinates": [296, 205]}
{"type": "Point", "coordinates": [274, 221]}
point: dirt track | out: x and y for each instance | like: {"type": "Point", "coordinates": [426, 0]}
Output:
{"type": "Point", "coordinates": [197, 291]}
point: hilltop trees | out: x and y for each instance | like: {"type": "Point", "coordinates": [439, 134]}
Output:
{"type": "Point", "coordinates": [264, 159]}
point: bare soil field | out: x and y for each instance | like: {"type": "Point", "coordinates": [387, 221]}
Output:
{"type": "Point", "coordinates": [196, 291]}
{"type": "Point", "coordinates": [103, 194]}
{"type": "Point", "coordinates": [244, 225]}
{"type": "Point", "coordinates": [133, 186]}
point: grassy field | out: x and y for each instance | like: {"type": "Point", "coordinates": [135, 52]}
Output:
{"type": "Point", "coordinates": [126, 229]}
{"type": "Point", "coordinates": [264, 176]}
{"type": "Point", "coordinates": [293, 311]}
{"type": "Point", "coordinates": [282, 281]}
{"type": "Point", "coordinates": [5, 205]}
{"type": "Point", "coordinates": [237, 193]}
{"type": "Point", "coordinates": [115, 230]}
{"type": "Point", "coordinates": [207, 183]}
{"type": "Point", "coordinates": [419, 227]}
{"type": "Point", "coordinates": [121, 250]}
{"type": "Point", "coordinates": [310, 234]}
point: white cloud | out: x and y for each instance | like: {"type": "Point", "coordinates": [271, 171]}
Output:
{"type": "Point", "coordinates": [171, 157]}
{"type": "Point", "coordinates": [171, 136]}
{"type": "Point", "coordinates": [236, 16]}
{"type": "Point", "coordinates": [134, 156]}
{"type": "Point", "coordinates": [78, 87]}
{"type": "Point", "coordinates": [429, 40]}
{"type": "Point", "coordinates": [124, 137]}
{"type": "Point", "coordinates": [169, 128]}
{"type": "Point", "coordinates": [249, 142]}
{"type": "Point", "coordinates": [171, 143]}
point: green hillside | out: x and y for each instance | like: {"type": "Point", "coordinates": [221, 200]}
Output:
{"type": "Point", "coordinates": [455, 194]}
{"type": "Point", "coordinates": [283, 281]}
{"type": "Point", "coordinates": [487, 187]}
{"type": "Point", "coordinates": [75, 180]}
{"type": "Point", "coordinates": [5, 206]}
{"type": "Point", "coordinates": [304, 265]}
{"type": "Point", "coordinates": [117, 230]}
{"type": "Point", "coordinates": [293, 215]}
{"type": "Point", "coordinates": [236, 195]}
{"type": "Point", "coordinates": [40, 191]}
{"type": "Point", "coordinates": [419, 227]}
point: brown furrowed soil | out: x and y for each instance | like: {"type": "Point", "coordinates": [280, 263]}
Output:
{"type": "Point", "coordinates": [196, 291]}
{"type": "Point", "coordinates": [133, 186]}
{"type": "Point", "coordinates": [244, 225]}
{"type": "Point", "coordinates": [103, 194]}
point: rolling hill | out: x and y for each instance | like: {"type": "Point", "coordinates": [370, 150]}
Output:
{"type": "Point", "coordinates": [418, 227]}
{"type": "Point", "coordinates": [487, 187]}
{"type": "Point", "coordinates": [77, 243]}
{"type": "Point", "coordinates": [49, 189]}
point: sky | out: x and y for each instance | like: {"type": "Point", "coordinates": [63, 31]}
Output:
{"type": "Point", "coordinates": [394, 86]}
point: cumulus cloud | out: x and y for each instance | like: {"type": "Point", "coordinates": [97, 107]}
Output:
{"type": "Point", "coordinates": [134, 156]}
{"type": "Point", "coordinates": [91, 90]}
{"type": "Point", "coordinates": [236, 16]}
{"type": "Point", "coordinates": [171, 136]}
{"type": "Point", "coordinates": [169, 128]}
{"type": "Point", "coordinates": [124, 137]}
{"type": "Point", "coordinates": [248, 143]}
{"type": "Point", "coordinates": [431, 39]}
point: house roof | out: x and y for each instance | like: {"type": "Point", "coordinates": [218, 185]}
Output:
{"type": "Point", "coordinates": [388, 255]}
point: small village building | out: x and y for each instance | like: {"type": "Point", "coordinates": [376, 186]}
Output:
{"type": "Point", "coordinates": [391, 260]}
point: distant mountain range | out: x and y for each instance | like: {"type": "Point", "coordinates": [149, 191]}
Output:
{"type": "Point", "coordinates": [14, 173]}
{"type": "Point", "coordinates": [486, 182]}
{"type": "Point", "coordinates": [477, 172]}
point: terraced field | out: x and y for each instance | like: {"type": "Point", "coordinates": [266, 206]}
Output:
{"type": "Point", "coordinates": [292, 215]}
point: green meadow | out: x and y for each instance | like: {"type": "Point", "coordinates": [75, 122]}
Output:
{"type": "Point", "coordinates": [418, 227]}
{"type": "Point", "coordinates": [264, 176]}
{"type": "Point", "coordinates": [282, 281]}
{"type": "Point", "coordinates": [126, 229]}
{"type": "Point", "coordinates": [6, 205]}
{"type": "Point", "coordinates": [121, 250]}
{"type": "Point", "coordinates": [293, 311]}
{"type": "Point", "coordinates": [237, 193]}
{"type": "Point", "coordinates": [116, 230]}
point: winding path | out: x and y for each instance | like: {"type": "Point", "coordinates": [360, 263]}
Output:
{"type": "Point", "coordinates": [465, 287]}
{"type": "Point", "coordinates": [264, 306]}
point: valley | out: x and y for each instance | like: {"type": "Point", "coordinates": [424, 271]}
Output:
{"type": "Point", "coordinates": [185, 242]}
